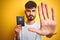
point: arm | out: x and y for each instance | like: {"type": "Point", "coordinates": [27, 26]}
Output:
{"type": "Point", "coordinates": [50, 35]}
{"type": "Point", "coordinates": [17, 32]}
{"type": "Point", "coordinates": [39, 32]}
{"type": "Point", "coordinates": [48, 24]}
{"type": "Point", "coordinates": [17, 37]}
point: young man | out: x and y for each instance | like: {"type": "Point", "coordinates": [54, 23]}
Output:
{"type": "Point", "coordinates": [33, 30]}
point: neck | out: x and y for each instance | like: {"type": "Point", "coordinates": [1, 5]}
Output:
{"type": "Point", "coordinates": [30, 22]}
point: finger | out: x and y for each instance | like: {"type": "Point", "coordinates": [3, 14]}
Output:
{"type": "Point", "coordinates": [43, 10]}
{"type": "Point", "coordinates": [47, 11]}
{"type": "Point", "coordinates": [53, 14]}
{"type": "Point", "coordinates": [19, 25]}
{"type": "Point", "coordinates": [17, 30]}
{"type": "Point", "coordinates": [40, 13]}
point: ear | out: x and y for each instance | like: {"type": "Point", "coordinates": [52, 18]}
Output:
{"type": "Point", "coordinates": [25, 11]}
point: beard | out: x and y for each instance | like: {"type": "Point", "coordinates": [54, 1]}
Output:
{"type": "Point", "coordinates": [30, 17]}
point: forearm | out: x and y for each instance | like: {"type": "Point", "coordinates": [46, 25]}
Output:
{"type": "Point", "coordinates": [44, 33]}
{"type": "Point", "coordinates": [39, 32]}
{"type": "Point", "coordinates": [50, 35]}
{"type": "Point", "coordinates": [17, 37]}
{"type": "Point", "coordinates": [47, 35]}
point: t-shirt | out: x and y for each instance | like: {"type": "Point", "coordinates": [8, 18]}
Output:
{"type": "Point", "coordinates": [25, 34]}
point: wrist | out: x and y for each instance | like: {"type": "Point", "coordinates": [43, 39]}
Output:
{"type": "Point", "coordinates": [39, 32]}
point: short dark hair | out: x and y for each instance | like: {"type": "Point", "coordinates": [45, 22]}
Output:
{"type": "Point", "coordinates": [30, 4]}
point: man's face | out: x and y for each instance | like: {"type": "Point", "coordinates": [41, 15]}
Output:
{"type": "Point", "coordinates": [30, 13]}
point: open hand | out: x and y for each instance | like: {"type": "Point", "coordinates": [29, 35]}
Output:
{"type": "Point", "coordinates": [47, 24]}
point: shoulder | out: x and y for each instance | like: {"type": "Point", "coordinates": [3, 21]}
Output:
{"type": "Point", "coordinates": [37, 23]}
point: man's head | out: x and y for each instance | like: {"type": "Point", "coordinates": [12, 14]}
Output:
{"type": "Point", "coordinates": [30, 10]}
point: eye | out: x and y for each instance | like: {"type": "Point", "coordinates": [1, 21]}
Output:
{"type": "Point", "coordinates": [33, 10]}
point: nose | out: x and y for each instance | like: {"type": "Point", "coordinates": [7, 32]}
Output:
{"type": "Point", "coordinates": [30, 12]}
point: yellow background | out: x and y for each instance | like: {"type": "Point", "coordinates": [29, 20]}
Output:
{"type": "Point", "coordinates": [12, 8]}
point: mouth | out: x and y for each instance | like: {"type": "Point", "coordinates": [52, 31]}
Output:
{"type": "Point", "coordinates": [31, 16]}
